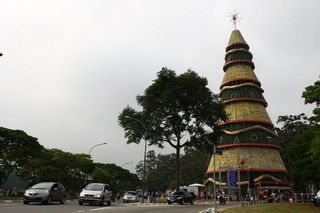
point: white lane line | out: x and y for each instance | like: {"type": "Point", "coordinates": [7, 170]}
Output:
{"type": "Point", "coordinates": [92, 210]}
{"type": "Point", "coordinates": [101, 208]}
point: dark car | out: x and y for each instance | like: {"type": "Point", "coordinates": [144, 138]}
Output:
{"type": "Point", "coordinates": [45, 192]}
{"type": "Point", "coordinates": [181, 197]}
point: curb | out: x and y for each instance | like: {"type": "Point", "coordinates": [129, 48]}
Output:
{"type": "Point", "coordinates": [10, 201]}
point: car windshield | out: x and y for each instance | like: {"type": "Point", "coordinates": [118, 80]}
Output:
{"type": "Point", "coordinates": [94, 187]}
{"type": "Point", "coordinates": [42, 186]}
{"type": "Point", "coordinates": [131, 193]}
{"type": "Point", "coordinates": [177, 193]}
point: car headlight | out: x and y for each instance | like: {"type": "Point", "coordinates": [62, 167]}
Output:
{"type": "Point", "coordinates": [179, 198]}
{"type": "Point", "coordinates": [98, 195]}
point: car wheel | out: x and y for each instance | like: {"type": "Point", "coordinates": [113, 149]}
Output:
{"type": "Point", "coordinates": [101, 202]}
{"type": "Point", "coordinates": [80, 203]}
{"type": "Point", "coordinates": [48, 202]}
{"type": "Point", "coordinates": [182, 202]}
{"type": "Point", "coordinates": [25, 202]}
{"type": "Point", "coordinates": [63, 200]}
{"type": "Point", "coordinates": [191, 202]}
{"type": "Point", "coordinates": [169, 202]}
{"type": "Point", "coordinates": [109, 203]}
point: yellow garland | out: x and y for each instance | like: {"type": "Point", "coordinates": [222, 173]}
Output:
{"type": "Point", "coordinates": [248, 129]}
{"type": "Point", "coordinates": [211, 180]}
{"type": "Point", "coordinates": [261, 177]}
{"type": "Point", "coordinates": [241, 85]}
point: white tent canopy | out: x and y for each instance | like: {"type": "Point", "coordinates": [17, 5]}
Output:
{"type": "Point", "coordinates": [197, 184]}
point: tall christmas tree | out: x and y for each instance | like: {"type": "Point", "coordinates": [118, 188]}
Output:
{"type": "Point", "coordinates": [250, 149]}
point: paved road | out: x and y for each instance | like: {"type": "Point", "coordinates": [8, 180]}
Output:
{"type": "Point", "coordinates": [73, 207]}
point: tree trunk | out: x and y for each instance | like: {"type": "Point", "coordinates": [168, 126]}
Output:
{"type": "Point", "coordinates": [178, 168]}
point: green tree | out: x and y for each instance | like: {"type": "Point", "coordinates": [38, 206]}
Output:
{"type": "Point", "coordinates": [304, 169]}
{"type": "Point", "coordinates": [178, 110]}
{"type": "Point", "coordinates": [194, 166]}
{"type": "Point", "coordinates": [312, 95]}
{"type": "Point", "coordinates": [159, 171]}
{"type": "Point", "coordinates": [16, 150]}
{"type": "Point", "coordinates": [301, 138]}
{"type": "Point", "coordinates": [120, 179]}
{"type": "Point", "coordinates": [290, 126]}
{"type": "Point", "coordinates": [57, 165]}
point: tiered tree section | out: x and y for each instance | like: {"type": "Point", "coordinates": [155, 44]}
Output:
{"type": "Point", "coordinates": [249, 143]}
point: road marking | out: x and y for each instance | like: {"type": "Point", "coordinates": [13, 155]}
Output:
{"type": "Point", "coordinates": [92, 210]}
{"type": "Point", "coordinates": [101, 208]}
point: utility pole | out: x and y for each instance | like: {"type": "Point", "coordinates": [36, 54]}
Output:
{"type": "Point", "coordinates": [144, 156]}
{"type": "Point", "coordinates": [214, 177]}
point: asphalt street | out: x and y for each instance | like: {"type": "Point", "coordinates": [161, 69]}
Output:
{"type": "Point", "coordinates": [73, 207]}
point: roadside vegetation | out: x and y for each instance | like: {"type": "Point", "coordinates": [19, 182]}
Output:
{"type": "Point", "coordinates": [300, 137]}
{"type": "Point", "coordinates": [276, 208]}
{"type": "Point", "coordinates": [23, 155]}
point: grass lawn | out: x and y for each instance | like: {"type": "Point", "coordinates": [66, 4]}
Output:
{"type": "Point", "coordinates": [276, 207]}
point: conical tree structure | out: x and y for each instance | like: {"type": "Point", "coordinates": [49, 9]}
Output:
{"type": "Point", "coordinates": [249, 145]}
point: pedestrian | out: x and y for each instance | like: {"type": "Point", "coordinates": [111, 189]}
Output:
{"type": "Point", "coordinates": [150, 198]}
{"type": "Point", "coordinates": [223, 198]}
{"type": "Point", "coordinates": [154, 197]}
{"type": "Point", "coordinates": [220, 198]}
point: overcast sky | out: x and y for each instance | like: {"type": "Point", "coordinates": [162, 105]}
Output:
{"type": "Point", "coordinates": [70, 66]}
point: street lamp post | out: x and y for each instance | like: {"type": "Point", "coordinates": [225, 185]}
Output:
{"type": "Point", "coordinates": [99, 144]}
{"type": "Point", "coordinates": [126, 163]}
{"type": "Point", "coordinates": [144, 156]}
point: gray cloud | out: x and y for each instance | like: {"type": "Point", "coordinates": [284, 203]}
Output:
{"type": "Point", "coordinates": [70, 67]}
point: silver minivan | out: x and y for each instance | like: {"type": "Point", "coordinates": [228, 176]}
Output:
{"type": "Point", "coordinates": [96, 193]}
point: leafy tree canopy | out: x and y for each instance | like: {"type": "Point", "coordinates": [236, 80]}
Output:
{"type": "Point", "coordinates": [179, 110]}
{"type": "Point", "coordinates": [304, 166]}
{"type": "Point", "coordinates": [290, 126]}
{"type": "Point", "coordinates": [160, 169]}
{"type": "Point", "coordinates": [301, 137]}
{"type": "Point", "coordinates": [120, 179]}
{"type": "Point", "coordinates": [16, 149]}
{"type": "Point", "coordinates": [312, 95]}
